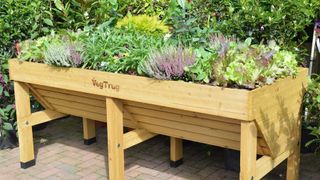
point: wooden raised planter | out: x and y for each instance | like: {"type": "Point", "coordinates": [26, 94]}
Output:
{"type": "Point", "coordinates": [263, 121]}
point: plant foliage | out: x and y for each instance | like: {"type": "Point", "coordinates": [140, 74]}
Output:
{"type": "Point", "coordinates": [169, 63]}
{"type": "Point", "coordinates": [144, 23]}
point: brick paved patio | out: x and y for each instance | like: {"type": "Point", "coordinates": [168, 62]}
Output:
{"type": "Point", "coordinates": [60, 154]}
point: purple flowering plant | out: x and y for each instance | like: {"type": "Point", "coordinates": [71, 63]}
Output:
{"type": "Point", "coordinates": [169, 63]}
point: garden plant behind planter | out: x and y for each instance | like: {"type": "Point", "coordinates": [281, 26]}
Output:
{"type": "Point", "coordinates": [222, 91]}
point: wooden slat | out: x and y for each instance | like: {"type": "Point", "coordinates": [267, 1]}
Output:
{"type": "Point", "coordinates": [72, 98]}
{"type": "Point", "coordinates": [191, 136]}
{"type": "Point", "coordinates": [115, 139]}
{"type": "Point", "coordinates": [188, 127]}
{"type": "Point", "coordinates": [231, 103]}
{"type": "Point", "coordinates": [76, 105]}
{"type": "Point", "coordinates": [80, 113]}
{"type": "Point", "coordinates": [248, 151]}
{"type": "Point", "coordinates": [182, 112]}
{"type": "Point", "coordinates": [185, 119]}
{"type": "Point", "coordinates": [39, 98]}
{"type": "Point", "coordinates": [266, 163]}
{"type": "Point", "coordinates": [75, 93]}
{"type": "Point", "coordinates": [135, 137]}
{"type": "Point", "coordinates": [42, 117]}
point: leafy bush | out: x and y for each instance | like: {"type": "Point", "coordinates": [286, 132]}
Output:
{"type": "Point", "coordinates": [311, 103]}
{"type": "Point", "coordinates": [169, 63]}
{"type": "Point", "coordinates": [7, 110]}
{"type": "Point", "coordinates": [149, 7]}
{"type": "Point", "coordinates": [23, 19]}
{"type": "Point", "coordinates": [76, 14]}
{"type": "Point", "coordinates": [182, 17]}
{"type": "Point", "coordinates": [147, 24]}
{"type": "Point", "coordinates": [282, 21]}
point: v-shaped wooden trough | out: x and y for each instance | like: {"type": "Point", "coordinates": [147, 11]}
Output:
{"type": "Point", "coordinates": [263, 121]}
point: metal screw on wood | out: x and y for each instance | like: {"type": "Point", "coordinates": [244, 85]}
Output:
{"type": "Point", "coordinates": [27, 123]}
{"type": "Point", "coordinates": [118, 146]}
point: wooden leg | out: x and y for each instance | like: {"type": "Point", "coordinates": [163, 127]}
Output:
{"type": "Point", "coordinates": [115, 139]}
{"type": "Point", "coordinates": [293, 162]}
{"type": "Point", "coordinates": [89, 131]}
{"type": "Point", "coordinates": [176, 152]}
{"type": "Point", "coordinates": [25, 134]}
{"type": "Point", "coordinates": [248, 151]}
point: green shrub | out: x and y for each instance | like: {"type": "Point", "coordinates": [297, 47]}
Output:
{"type": "Point", "coordinates": [311, 104]}
{"type": "Point", "coordinates": [282, 21]}
{"type": "Point", "coordinates": [149, 7]}
{"type": "Point", "coordinates": [76, 14]}
{"type": "Point", "coordinates": [146, 24]}
{"type": "Point", "coordinates": [7, 109]}
{"type": "Point", "coordinates": [23, 19]}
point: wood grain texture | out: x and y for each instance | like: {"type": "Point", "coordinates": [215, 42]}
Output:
{"type": "Point", "coordinates": [248, 151]}
{"type": "Point", "coordinates": [266, 163]}
{"type": "Point", "coordinates": [136, 136]}
{"type": "Point", "coordinates": [22, 100]}
{"type": "Point", "coordinates": [89, 128]}
{"type": "Point", "coordinates": [210, 100]}
{"type": "Point", "coordinates": [42, 117]}
{"type": "Point", "coordinates": [115, 139]}
{"type": "Point", "coordinates": [176, 149]}
{"type": "Point", "coordinates": [276, 109]}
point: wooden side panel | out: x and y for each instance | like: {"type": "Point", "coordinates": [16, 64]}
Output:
{"type": "Point", "coordinates": [172, 122]}
{"type": "Point", "coordinates": [219, 131]}
{"type": "Point", "coordinates": [276, 110]}
{"type": "Point", "coordinates": [231, 103]}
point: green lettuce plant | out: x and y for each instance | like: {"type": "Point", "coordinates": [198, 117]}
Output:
{"type": "Point", "coordinates": [250, 66]}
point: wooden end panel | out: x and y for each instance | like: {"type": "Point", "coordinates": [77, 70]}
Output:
{"type": "Point", "coordinates": [276, 110]}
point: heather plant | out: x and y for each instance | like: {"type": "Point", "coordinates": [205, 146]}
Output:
{"type": "Point", "coordinates": [169, 63]}
{"type": "Point", "coordinates": [144, 23]}
{"type": "Point", "coordinates": [63, 54]}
